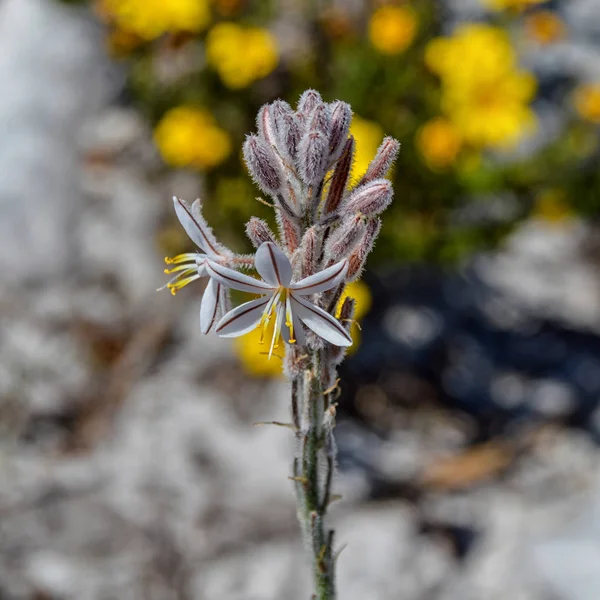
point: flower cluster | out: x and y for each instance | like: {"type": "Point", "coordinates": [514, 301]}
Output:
{"type": "Point", "coordinates": [484, 94]}
{"type": "Point", "coordinates": [241, 55]}
{"type": "Point", "coordinates": [325, 231]}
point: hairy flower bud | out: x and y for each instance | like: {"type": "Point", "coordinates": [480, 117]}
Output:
{"type": "Point", "coordinates": [312, 157]}
{"type": "Point", "coordinates": [371, 198]}
{"type": "Point", "coordinates": [340, 177]}
{"type": "Point", "coordinates": [358, 258]}
{"type": "Point", "coordinates": [381, 164]}
{"type": "Point", "coordinates": [320, 120]}
{"type": "Point", "coordinates": [309, 251]}
{"type": "Point", "coordinates": [286, 129]}
{"type": "Point", "coordinates": [344, 238]}
{"type": "Point", "coordinates": [262, 164]}
{"type": "Point", "coordinates": [264, 124]}
{"type": "Point", "coordinates": [341, 115]}
{"type": "Point", "coordinates": [259, 232]}
{"type": "Point", "coordinates": [309, 100]}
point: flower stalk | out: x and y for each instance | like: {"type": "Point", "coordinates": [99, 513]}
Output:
{"type": "Point", "coordinates": [326, 231]}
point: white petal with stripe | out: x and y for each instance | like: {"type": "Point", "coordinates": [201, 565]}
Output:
{"type": "Point", "coordinates": [242, 319]}
{"type": "Point", "coordinates": [209, 305]}
{"type": "Point", "coordinates": [236, 280]}
{"type": "Point", "coordinates": [321, 322]}
{"type": "Point", "coordinates": [322, 281]}
{"type": "Point", "coordinates": [273, 265]}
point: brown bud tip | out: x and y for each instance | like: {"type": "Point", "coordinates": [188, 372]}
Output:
{"type": "Point", "coordinates": [312, 157]}
{"type": "Point", "coordinates": [358, 258]}
{"type": "Point", "coordinates": [385, 157]}
{"type": "Point", "coordinates": [371, 198]}
{"type": "Point", "coordinates": [262, 164]}
{"type": "Point", "coordinates": [341, 115]}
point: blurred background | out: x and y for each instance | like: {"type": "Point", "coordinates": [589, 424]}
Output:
{"type": "Point", "coordinates": [469, 416]}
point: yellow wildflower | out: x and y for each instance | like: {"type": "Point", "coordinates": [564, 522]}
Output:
{"type": "Point", "coordinates": [392, 29]}
{"type": "Point", "coordinates": [587, 101]}
{"type": "Point", "coordinates": [515, 5]}
{"type": "Point", "coordinates": [483, 93]}
{"type": "Point", "coordinates": [368, 136]}
{"type": "Point", "coordinates": [190, 137]}
{"type": "Point", "coordinates": [150, 19]}
{"type": "Point", "coordinates": [241, 55]}
{"type": "Point", "coordinates": [545, 27]}
{"type": "Point", "coordinates": [257, 364]}
{"type": "Point", "coordinates": [439, 142]}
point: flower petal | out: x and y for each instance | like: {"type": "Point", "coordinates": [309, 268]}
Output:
{"type": "Point", "coordinates": [238, 281]}
{"type": "Point", "coordinates": [321, 322]}
{"type": "Point", "coordinates": [273, 265]}
{"type": "Point", "coordinates": [194, 227]}
{"type": "Point", "coordinates": [242, 319]}
{"type": "Point", "coordinates": [209, 305]}
{"type": "Point", "coordinates": [322, 281]}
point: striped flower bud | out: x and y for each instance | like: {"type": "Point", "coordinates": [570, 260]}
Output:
{"type": "Point", "coordinates": [341, 115]}
{"type": "Point", "coordinates": [308, 252]}
{"type": "Point", "coordinates": [262, 164]}
{"type": "Point", "coordinates": [320, 120]}
{"type": "Point", "coordinates": [259, 232]}
{"type": "Point", "coordinates": [286, 129]}
{"type": "Point", "coordinates": [309, 100]}
{"type": "Point", "coordinates": [340, 177]}
{"type": "Point", "coordinates": [358, 258]}
{"type": "Point", "coordinates": [344, 238]}
{"type": "Point", "coordinates": [313, 153]}
{"type": "Point", "coordinates": [264, 124]}
{"type": "Point", "coordinates": [381, 164]}
{"type": "Point", "coordinates": [371, 198]}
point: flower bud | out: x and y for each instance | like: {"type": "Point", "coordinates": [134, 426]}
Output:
{"type": "Point", "coordinates": [381, 164]}
{"type": "Point", "coordinates": [320, 120]}
{"type": "Point", "coordinates": [263, 164]}
{"type": "Point", "coordinates": [340, 177]}
{"type": "Point", "coordinates": [309, 100]}
{"type": "Point", "coordinates": [312, 157]}
{"type": "Point", "coordinates": [308, 252]}
{"type": "Point", "coordinates": [371, 198]}
{"type": "Point", "coordinates": [286, 129]}
{"type": "Point", "coordinates": [344, 238]}
{"type": "Point", "coordinates": [341, 115]}
{"type": "Point", "coordinates": [264, 125]}
{"type": "Point", "coordinates": [259, 232]}
{"type": "Point", "coordinates": [358, 258]}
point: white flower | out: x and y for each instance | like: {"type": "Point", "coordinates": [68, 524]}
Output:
{"type": "Point", "coordinates": [192, 265]}
{"type": "Point", "coordinates": [281, 298]}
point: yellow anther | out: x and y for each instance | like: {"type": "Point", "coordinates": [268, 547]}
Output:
{"type": "Point", "coordinates": [173, 291]}
{"type": "Point", "coordinates": [168, 260]}
{"type": "Point", "coordinates": [292, 341]}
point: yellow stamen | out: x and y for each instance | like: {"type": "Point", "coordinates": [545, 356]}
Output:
{"type": "Point", "coordinates": [180, 258]}
{"type": "Point", "coordinates": [184, 268]}
{"type": "Point", "coordinates": [176, 286]}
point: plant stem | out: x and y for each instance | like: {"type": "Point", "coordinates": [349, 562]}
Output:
{"type": "Point", "coordinates": [313, 471]}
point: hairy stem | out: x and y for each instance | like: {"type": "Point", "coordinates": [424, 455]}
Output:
{"type": "Point", "coordinates": [313, 472]}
